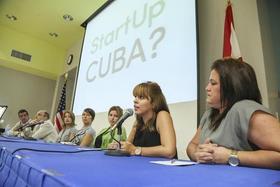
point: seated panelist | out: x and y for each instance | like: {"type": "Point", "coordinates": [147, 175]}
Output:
{"type": "Point", "coordinates": [153, 133]}
{"type": "Point", "coordinates": [68, 127]}
{"type": "Point", "coordinates": [237, 129]}
{"type": "Point", "coordinates": [104, 138]}
{"type": "Point", "coordinates": [43, 128]}
{"type": "Point", "coordinates": [85, 136]}
{"type": "Point", "coordinates": [23, 121]}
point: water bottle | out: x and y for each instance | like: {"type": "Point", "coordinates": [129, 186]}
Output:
{"type": "Point", "coordinates": [2, 129]}
{"type": "Point", "coordinates": [7, 130]}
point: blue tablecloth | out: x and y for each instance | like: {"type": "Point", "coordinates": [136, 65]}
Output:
{"type": "Point", "coordinates": [23, 167]}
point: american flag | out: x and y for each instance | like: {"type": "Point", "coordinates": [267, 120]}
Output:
{"type": "Point", "coordinates": [60, 109]}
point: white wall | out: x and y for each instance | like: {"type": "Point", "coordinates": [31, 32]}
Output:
{"type": "Point", "coordinates": [75, 50]}
{"type": "Point", "coordinates": [22, 90]}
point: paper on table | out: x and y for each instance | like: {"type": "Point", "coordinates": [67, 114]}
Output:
{"type": "Point", "coordinates": [175, 162]}
{"type": "Point", "coordinates": [89, 149]}
{"type": "Point", "coordinates": [67, 143]}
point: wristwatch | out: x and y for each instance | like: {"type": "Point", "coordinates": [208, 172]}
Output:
{"type": "Point", "coordinates": [138, 151]}
{"type": "Point", "coordinates": [233, 159]}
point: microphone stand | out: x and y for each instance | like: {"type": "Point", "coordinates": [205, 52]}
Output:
{"type": "Point", "coordinates": [118, 151]}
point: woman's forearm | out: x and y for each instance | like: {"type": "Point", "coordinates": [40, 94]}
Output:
{"type": "Point", "coordinates": [191, 150]}
{"type": "Point", "coordinates": [260, 158]}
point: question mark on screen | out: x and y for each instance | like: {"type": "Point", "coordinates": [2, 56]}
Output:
{"type": "Point", "coordinates": [161, 34]}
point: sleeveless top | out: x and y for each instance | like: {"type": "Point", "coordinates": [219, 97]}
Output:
{"type": "Point", "coordinates": [233, 130]}
{"type": "Point", "coordinates": [145, 138]}
{"type": "Point", "coordinates": [77, 139]}
{"type": "Point", "coordinates": [64, 134]}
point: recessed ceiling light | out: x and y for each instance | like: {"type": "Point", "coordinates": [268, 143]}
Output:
{"type": "Point", "coordinates": [11, 17]}
{"type": "Point", "coordinates": [68, 17]}
{"type": "Point", "coordinates": [53, 34]}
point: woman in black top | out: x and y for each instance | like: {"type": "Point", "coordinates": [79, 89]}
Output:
{"type": "Point", "coordinates": [153, 132]}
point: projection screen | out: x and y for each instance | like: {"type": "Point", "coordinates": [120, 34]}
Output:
{"type": "Point", "coordinates": [130, 42]}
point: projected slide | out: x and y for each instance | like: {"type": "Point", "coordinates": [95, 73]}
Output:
{"type": "Point", "coordinates": [130, 42]}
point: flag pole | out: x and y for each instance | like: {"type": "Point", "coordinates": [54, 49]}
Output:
{"type": "Point", "coordinates": [228, 2]}
{"type": "Point", "coordinates": [65, 76]}
{"type": "Point", "coordinates": [61, 106]}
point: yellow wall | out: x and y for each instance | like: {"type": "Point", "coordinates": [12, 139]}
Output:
{"type": "Point", "coordinates": [47, 60]}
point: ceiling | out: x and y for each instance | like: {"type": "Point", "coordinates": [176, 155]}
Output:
{"type": "Point", "coordinates": [38, 18]}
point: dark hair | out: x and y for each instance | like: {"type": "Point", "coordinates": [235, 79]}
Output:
{"type": "Point", "coordinates": [118, 109]}
{"type": "Point", "coordinates": [22, 111]}
{"type": "Point", "coordinates": [152, 91]}
{"type": "Point", "coordinates": [91, 112]}
{"type": "Point", "coordinates": [237, 82]}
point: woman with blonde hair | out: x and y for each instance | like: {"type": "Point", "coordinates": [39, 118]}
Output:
{"type": "Point", "coordinates": [68, 127]}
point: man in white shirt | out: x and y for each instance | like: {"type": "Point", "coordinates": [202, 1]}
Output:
{"type": "Point", "coordinates": [44, 128]}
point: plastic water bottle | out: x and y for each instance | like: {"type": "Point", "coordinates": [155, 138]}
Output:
{"type": "Point", "coordinates": [2, 129]}
{"type": "Point", "coordinates": [7, 130]}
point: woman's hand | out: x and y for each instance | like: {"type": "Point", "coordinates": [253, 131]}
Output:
{"type": "Point", "coordinates": [204, 152]}
{"type": "Point", "coordinates": [221, 155]}
{"type": "Point", "coordinates": [129, 147]}
{"type": "Point", "coordinates": [113, 145]}
{"type": "Point", "coordinates": [212, 153]}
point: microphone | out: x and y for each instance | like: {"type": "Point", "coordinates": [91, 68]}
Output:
{"type": "Point", "coordinates": [128, 113]}
{"type": "Point", "coordinates": [32, 124]}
